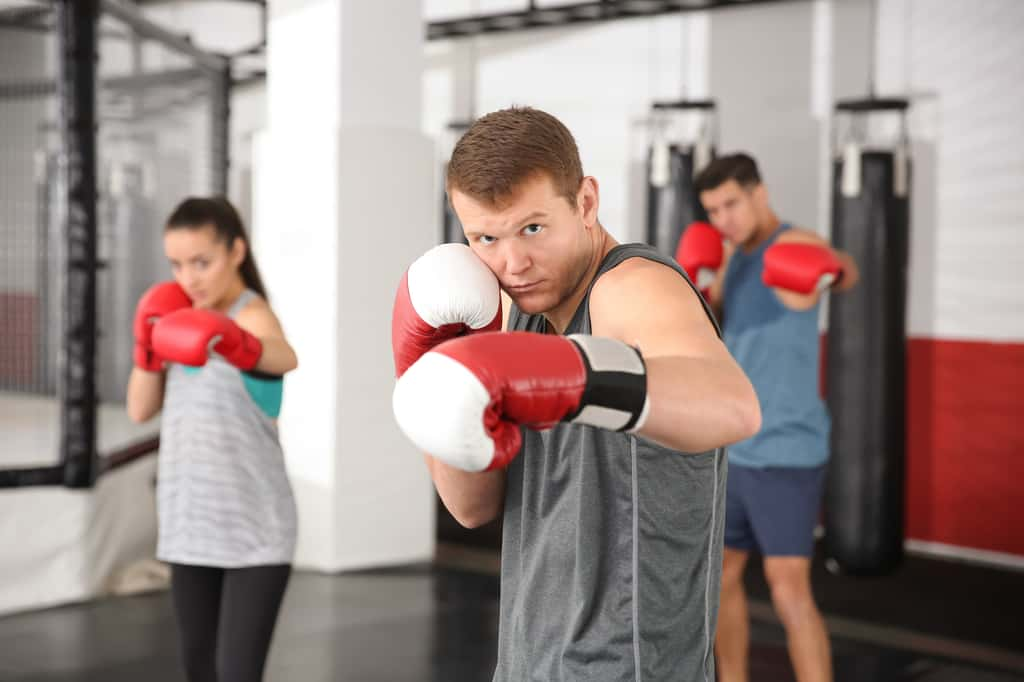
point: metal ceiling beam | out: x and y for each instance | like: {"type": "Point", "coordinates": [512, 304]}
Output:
{"type": "Point", "coordinates": [128, 83]}
{"type": "Point", "coordinates": [534, 17]}
{"type": "Point", "coordinates": [27, 18]}
{"type": "Point", "coordinates": [147, 29]}
{"type": "Point", "coordinates": [147, 3]}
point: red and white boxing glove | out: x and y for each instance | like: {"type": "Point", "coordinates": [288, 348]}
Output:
{"type": "Point", "coordinates": [464, 401]}
{"type": "Point", "coordinates": [159, 300]}
{"type": "Point", "coordinates": [188, 336]}
{"type": "Point", "coordinates": [447, 292]}
{"type": "Point", "coordinates": [801, 268]}
{"type": "Point", "coordinates": [700, 254]}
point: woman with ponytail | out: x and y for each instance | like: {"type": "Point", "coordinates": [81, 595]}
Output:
{"type": "Point", "coordinates": [210, 354]}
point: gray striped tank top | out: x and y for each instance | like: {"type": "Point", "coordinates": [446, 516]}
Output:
{"type": "Point", "coordinates": [612, 548]}
{"type": "Point", "coordinates": [223, 497]}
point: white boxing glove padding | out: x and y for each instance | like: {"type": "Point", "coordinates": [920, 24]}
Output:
{"type": "Point", "coordinates": [439, 405]}
{"type": "Point", "coordinates": [450, 285]}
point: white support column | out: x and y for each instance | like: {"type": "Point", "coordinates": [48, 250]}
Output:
{"type": "Point", "coordinates": [343, 204]}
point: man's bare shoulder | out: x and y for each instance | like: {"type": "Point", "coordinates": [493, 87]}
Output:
{"type": "Point", "coordinates": [637, 275]}
{"type": "Point", "coordinates": [637, 288]}
{"type": "Point", "coordinates": [801, 235]}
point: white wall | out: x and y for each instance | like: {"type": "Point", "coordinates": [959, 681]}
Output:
{"type": "Point", "coordinates": [761, 75]}
{"type": "Point", "coordinates": [963, 63]}
{"type": "Point", "coordinates": [599, 80]}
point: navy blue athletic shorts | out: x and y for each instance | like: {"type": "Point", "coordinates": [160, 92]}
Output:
{"type": "Point", "coordinates": [773, 510]}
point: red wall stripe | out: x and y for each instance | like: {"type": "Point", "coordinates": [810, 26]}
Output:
{"type": "Point", "coordinates": [965, 443]}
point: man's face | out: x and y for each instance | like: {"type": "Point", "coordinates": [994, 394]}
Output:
{"type": "Point", "coordinates": [535, 243]}
{"type": "Point", "coordinates": [734, 209]}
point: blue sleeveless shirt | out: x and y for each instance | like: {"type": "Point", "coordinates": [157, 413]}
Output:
{"type": "Point", "coordinates": [779, 350]}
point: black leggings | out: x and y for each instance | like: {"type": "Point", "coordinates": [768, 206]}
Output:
{"type": "Point", "coordinates": [226, 619]}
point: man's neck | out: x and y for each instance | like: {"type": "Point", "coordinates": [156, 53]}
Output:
{"type": "Point", "coordinates": [765, 229]}
{"type": "Point", "coordinates": [559, 317]}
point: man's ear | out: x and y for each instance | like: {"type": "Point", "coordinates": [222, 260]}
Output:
{"type": "Point", "coordinates": [760, 193]}
{"type": "Point", "coordinates": [588, 200]}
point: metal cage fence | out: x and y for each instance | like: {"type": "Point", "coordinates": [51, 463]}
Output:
{"type": "Point", "coordinates": [107, 120]}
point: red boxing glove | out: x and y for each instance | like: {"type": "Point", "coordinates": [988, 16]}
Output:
{"type": "Point", "coordinates": [464, 401]}
{"type": "Point", "coordinates": [447, 292]}
{"type": "Point", "coordinates": [700, 254]}
{"type": "Point", "coordinates": [187, 336]}
{"type": "Point", "coordinates": [159, 300]}
{"type": "Point", "coordinates": [801, 268]}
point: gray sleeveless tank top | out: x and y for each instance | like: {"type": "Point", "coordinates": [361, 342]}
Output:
{"type": "Point", "coordinates": [612, 547]}
{"type": "Point", "coordinates": [223, 497]}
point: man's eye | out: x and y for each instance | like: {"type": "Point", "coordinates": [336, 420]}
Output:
{"type": "Point", "coordinates": [486, 239]}
{"type": "Point", "coordinates": [532, 229]}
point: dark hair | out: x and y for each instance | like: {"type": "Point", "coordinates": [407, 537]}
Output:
{"type": "Point", "coordinates": [505, 148]}
{"type": "Point", "coordinates": [739, 167]}
{"type": "Point", "coordinates": [198, 212]}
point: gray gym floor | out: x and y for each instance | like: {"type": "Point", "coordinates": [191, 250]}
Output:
{"type": "Point", "coordinates": [417, 624]}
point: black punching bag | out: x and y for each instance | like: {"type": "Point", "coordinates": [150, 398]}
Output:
{"type": "Point", "coordinates": [673, 205]}
{"type": "Point", "coordinates": [451, 228]}
{"type": "Point", "coordinates": [683, 144]}
{"type": "Point", "coordinates": [866, 370]}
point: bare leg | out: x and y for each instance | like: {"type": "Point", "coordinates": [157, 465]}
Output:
{"type": "Point", "coordinates": [732, 640]}
{"type": "Point", "coordinates": [806, 636]}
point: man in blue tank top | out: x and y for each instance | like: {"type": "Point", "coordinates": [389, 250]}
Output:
{"type": "Point", "coordinates": [594, 425]}
{"type": "Point", "coordinates": [766, 288]}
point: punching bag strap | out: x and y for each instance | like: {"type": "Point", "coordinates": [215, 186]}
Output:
{"type": "Point", "coordinates": [850, 183]}
{"type": "Point", "coordinates": [660, 163]}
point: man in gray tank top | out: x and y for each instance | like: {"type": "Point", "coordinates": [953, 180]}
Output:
{"type": "Point", "coordinates": [596, 422]}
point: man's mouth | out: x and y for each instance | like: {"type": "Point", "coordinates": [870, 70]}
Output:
{"type": "Point", "coordinates": [521, 288]}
